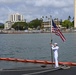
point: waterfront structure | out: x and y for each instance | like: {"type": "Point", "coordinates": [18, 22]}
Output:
{"type": "Point", "coordinates": [74, 13]}
{"type": "Point", "coordinates": [8, 25]}
{"type": "Point", "coordinates": [46, 25]}
{"type": "Point", "coordinates": [12, 19]}
{"type": "Point", "coordinates": [57, 22]}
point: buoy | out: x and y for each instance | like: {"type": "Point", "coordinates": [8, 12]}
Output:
{"type": "Point", "coordinates": [66, 63]}
{"type": "Point", "coordinates": [73, 64]}
{"type": "Point", "coordinates": [37, 61]}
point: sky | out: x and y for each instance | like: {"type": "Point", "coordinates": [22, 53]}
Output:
{"type": "Point", "coordinates": [32, 9]}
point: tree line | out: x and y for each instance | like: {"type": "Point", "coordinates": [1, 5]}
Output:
{"type": "Point", "coordinates": [36, 23]}
{"type": "Point", "coordinates": [68, 23]}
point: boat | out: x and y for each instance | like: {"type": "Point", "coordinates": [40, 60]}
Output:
{"type": "Point", "coordinates": [40, 67]}
{"type": "Point", "coordinates": [44, 68]}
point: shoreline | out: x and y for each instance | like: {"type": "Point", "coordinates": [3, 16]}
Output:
{"type": "Point", "coordinates": [22, 32]}
{"type": "Point", "coordinates": [34, 31]}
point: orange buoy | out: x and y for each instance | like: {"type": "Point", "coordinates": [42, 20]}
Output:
{"type": "Point", "coordinates": [37, 61]}
{"type": "Point", "coordinates": [73, 64]}
{"type": "Point", "coordinates": [66, 63]}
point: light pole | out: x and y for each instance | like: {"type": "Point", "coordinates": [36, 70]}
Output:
{"type": "Point", "coordinates": [50, 24]}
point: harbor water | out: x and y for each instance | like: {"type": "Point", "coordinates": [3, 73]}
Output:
{"type": "Point", "coordinates": [36, 47]}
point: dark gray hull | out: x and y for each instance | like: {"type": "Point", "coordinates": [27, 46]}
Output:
{"type": "Point", "coordinates": [39, 70]}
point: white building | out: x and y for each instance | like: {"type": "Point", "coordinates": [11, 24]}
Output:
{"type": "Point", "coordinates": [12, 19]}
{"type": "Point", "coordinates": [16, 17]}
{"type": "Point", "coordinates": [8, 25]}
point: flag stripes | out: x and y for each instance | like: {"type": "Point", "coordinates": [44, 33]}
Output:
{"type": "Point", "coordinates": [57, 31]}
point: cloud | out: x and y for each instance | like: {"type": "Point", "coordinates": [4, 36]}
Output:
{"type": "Point", "coordinates": [31, 9]}
{"type": "Point", "coordinates": [9, 1]}
{"type": "Point", "coordinates": [52, 3]}
{"type": "Point", "coordinates": [3, 15]}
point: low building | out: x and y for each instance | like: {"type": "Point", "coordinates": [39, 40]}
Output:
{"type": "Point", "coordinates": [8, 25]}
{"type": "Point", "coordinates": [47, 25]}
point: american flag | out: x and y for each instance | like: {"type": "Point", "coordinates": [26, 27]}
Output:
{"type": "Point", "coordinates": [57, 31]}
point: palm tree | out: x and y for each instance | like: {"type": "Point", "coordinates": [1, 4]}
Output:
{"type": "Point", "coordinates": [69, 17]}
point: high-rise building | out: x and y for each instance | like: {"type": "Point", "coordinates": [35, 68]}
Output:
{"type": "Point", "coordinates": [75, 13]}
{"type": "Point", "coordinates": [16, 17]}
{"type": "Point", "coordinates": [12, 19]}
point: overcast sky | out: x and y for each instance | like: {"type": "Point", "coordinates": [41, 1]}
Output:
{"type": "Point", "coordinates": [32, 9]}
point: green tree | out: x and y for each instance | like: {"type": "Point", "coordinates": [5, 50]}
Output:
{"type": "Point", "coordinates": [36, 23]}
{"type": "Point", "coordinates": [67, 24]}
{"type": "Point", "coordinates": [20, 26]}
{"type": "Point", "coordinates": [73, 22]}
{"type": "Point", "coordinates": [1, 26]}
{"type": "Point", "coordinates": [60, 21]}
{"type": "Point", "coordinates": [69, 18]}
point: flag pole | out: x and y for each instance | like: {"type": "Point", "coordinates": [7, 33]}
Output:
{"type": "Point", "coordinates": [51, 39]}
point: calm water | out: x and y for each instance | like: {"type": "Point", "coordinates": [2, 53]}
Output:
{"type": "Point", "coordinates": [35, 46]}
